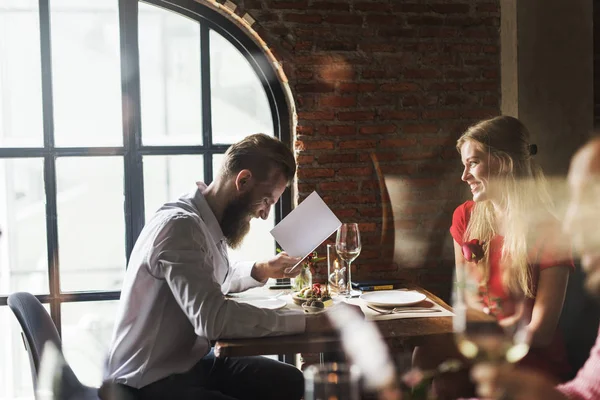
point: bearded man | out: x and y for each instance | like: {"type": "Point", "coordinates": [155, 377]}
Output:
{"type": "Point", "coordinates": [173, 298]}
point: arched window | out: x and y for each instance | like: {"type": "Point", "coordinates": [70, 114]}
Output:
{"type": "Point", "coordinates": [108, 108]}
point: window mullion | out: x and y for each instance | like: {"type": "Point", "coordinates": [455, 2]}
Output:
{"type": "Point", "coordinates": [206, 99]}
{"type": "Point", "coordinates": [130, 91]}
{"type": "Point", "coordinates": [49, 161]}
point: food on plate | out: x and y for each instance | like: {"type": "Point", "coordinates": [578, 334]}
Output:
{"type": "Point", "coordinates": [315, 296]}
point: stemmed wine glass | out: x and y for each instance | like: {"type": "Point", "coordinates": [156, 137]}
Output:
{"type": "Point", "coordinates": [484, 330]}
{"type": "Point", "coordinates": [348, 246]}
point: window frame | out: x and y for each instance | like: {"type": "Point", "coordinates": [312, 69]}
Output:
{"type": "Point", "coordinates": [133, 150]}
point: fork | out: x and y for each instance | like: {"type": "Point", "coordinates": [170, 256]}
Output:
{"type": "Point", "coordinates": [398, 310]}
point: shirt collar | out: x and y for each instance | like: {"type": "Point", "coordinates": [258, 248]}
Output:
{"type": "Point", "coordinates": [207, 214]}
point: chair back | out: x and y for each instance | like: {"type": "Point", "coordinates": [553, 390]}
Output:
{"type": "Point", "coordinates": [579, 321]}
{"type": "Point", "coordinates": [38, 328]}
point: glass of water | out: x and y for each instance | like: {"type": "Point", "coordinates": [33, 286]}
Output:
{"type": "Point", "coordinates": [331, 381]}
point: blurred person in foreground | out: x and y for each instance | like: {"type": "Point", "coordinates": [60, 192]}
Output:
{"type": "Point", "coordinates": [173, 300]}
{"type": "Point", "coordinates": [519, 245]}
{"type": "Point", "coordinates": [581, 223]}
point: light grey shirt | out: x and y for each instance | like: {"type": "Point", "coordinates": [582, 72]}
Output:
{"type": "Point", "coordinates": [172, 301]}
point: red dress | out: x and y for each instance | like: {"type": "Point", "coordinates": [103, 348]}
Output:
{"type": "Point", "coordinates": [542, 254]}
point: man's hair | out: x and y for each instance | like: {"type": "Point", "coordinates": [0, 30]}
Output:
{"type": "Point", "coordinates": [262, 155]}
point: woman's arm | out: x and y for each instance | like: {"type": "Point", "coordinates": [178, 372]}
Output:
{"type": "Point", "coordinates": [552, 286]}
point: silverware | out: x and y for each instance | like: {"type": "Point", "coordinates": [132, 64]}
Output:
{"type": "Point", "coordinates": [399, 310]}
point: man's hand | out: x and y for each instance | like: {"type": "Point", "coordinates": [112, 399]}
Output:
{"type": "Point", "coordinates": [276, 267]}
{"type": "Point", "coordinates": [516, 384]}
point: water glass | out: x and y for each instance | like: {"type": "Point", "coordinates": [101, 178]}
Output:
{"type": "Point", "coordinates": [331, 381]}
{"type": "Point", "coordinates": [337, 272]}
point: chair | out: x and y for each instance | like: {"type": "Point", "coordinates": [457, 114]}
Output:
{"type": "Point", "coordinates": [38, 328]}
{"type": "Point", "coordinates": [579, 321]}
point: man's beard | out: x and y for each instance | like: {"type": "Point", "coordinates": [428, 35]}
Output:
{"type": "Point", "coordinates": [235, 224]}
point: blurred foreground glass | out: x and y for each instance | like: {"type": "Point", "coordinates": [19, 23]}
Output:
{"type": "Point", "coordinates": [481, 332]}
{"type": "Point", "coordinates": [348, 246]}
{"type": "Point", "coordinates": [331, 381]}
{"type": "Point", "coordinates": [337, 272]}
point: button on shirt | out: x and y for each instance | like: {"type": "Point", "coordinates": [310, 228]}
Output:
{"type": "Point", "coordinates": [172, 301]}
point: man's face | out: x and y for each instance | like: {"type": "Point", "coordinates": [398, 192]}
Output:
{"type": "Point", "coordinates": [582, 219]}
{"type": "Point", "coordinates": [255, 201]}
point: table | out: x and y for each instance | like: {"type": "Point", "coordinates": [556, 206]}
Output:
{"type": "Point", "coordinates": [410, 331]}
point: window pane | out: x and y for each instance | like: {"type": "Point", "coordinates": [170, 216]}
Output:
{"type": "Point", "coordinates": [91, 228]}
{"type": "Point", "coordinates": [166, 178]}
{"type": "Point", "coordinates": [20, 75]}
{"type": "Point", "coordinates": [239, 102]}
{"type": "Point", "coordinates": [23, 248]}
{"type": "Point", "coordinates": [169, 46]}
{"type": "Point", "coordinates": [86, 332]}
{"type": "Point", "coordinates": [86, 73]}
{"type": "Point", "coordinates": [15, 373]}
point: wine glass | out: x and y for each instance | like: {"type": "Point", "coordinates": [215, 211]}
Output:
{"type": "Point", "coordinates": [486, 331]}
{"type": "Point", "coordinates": [348, 246]}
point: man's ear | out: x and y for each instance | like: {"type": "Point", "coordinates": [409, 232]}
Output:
{"type": "Point", "coordinates": [243, 180]}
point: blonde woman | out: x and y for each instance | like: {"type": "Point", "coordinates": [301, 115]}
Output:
{"type": "Point", "coordinates": [522, 251]}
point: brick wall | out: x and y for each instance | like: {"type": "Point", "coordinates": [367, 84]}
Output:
{"type": "Point", "coordinates": [398, 80]}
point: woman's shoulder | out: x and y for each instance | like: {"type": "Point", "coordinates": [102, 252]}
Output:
{"type": "Point", "coordinates": [465, 209]}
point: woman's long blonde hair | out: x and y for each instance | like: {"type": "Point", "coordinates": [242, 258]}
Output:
{"type": "Point", "coordinates": [523, 192]}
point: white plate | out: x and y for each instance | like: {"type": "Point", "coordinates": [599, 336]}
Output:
{"type": "Point", "coordinates": [264, 302]}
{"type": "Point", "coordinates": [393, 298]}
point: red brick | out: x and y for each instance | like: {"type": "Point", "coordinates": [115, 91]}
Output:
{"type": "Point", "coordinates": [421, 128]}
{"type": "Point", "coordinates": [356, 115]}
{"type": "Point", "coordinates": [458, 74]}
{"type": "Point", "coordinates": [477, 33]}
{"type": "Point", "coordinates": [437, 32]}
{"type": "Point", "coordinates": [488, 7]}
{"type": "Point", "coordinates": [438, 141]}
{"type": "Point", "coordinates": [411, 7]}
{"type": "Point", "coordinates": [490, 100]}
{"type": "Point", "coordinates": [303, 18]}
{"type": "Point", "coordinates": [316, 115]}
{"type": "Point", "coordinates": [330, 6]}
{"type": "Point", "coordinates": [397, 142]}
{"type": "Point", "coordinates": [377, 99]}
{"type": "Point", "coordinates": [399, 87]}
{"type": "Point", "coordinates": [450, 8]}
{"type": "Point", "coordinates": [345, 213]}
{"type": "Point", "coordinates": [479, 113]}
{"type": "Point", "coordinates": [336, 45]}
{"type": "Point", "coordinates": [379, 47]}
{"type": "Point", "coordinates": [365, 171]}
{"type": "Point", "coordinates": [444, 86]}
{"type": "Point", "coordinates": [381, 19]}
{"type": "Point", "coordinates": [307, 173]}
{"type": "Point", "coordinates": [492, 74]}
{"type": "Point", "coordinates": [344, 19]}
{"type": "Point", "coordinates": [377, 129]}
{"type": "Point", "coordinates": [421, 73]}
{"type": "Point", "coordinates": [455, 99]}
{"type": "Point", "coordinates": [464, 48]}
{"type": "Point", "coordinates": [336, 73]}
{"type": "Point", "coordinates": [357, 87]}
{"type": "Point", "coordinates": [306, 187]}
{"type": "Point", "coordinates": [337, 101]}
{"type": "Point", "coordinates": [305, 159]}
{"type": "Point", "coordinates": [371, 212]}
{"type": "Point", "coordinates": [399, 115]}
{"type": "Point", "coordinates": [298, 5]}
{"type": "Point", "coordinates": [439, 114]}
{"type": "Point", "coordinates": [398, 32]}
{"type": "Point", "coordinates": [357, 144]}
{"type": "Point", "coordinates": [421, 20]}
{"type": "Point", "coordinates": [420, 155]}
{"type": "Point", "coordinates": [306, 45]}
{"type": "Point", "coordinates": [320, 87]}
{"type": "Point", "coordinates": [477, 86]}
{"type": "Point", "coordinates": [341, 130]}
{"type": "Point", "coordinates": [369, 185]}
{"type": "Point", "coordinates": [336, 158]}
{"type": "Point", "coordinates": [304, 130]}
{"type": "Point", "coordinates": [304, 74]}
{"type": "Point", "coordinates": [313, 145]}
{"type": "Point", "coordinates": [339, 186]}
{"type": "Point", "coordinates": [359, 199]}
{"type": "Point", "coordinates": [490, 49]}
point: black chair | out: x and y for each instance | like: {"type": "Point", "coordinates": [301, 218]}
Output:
{"type": "Point", "coordinates": [38, 328]}
{"type": "Point", "coordinates": [579, 321]}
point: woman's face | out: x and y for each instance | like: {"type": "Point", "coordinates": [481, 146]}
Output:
{"type": "Point", "coordinates": [478, 168]}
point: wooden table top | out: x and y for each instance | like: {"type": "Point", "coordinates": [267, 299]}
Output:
{"type": "Point", "coordinates": [410, 331]}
